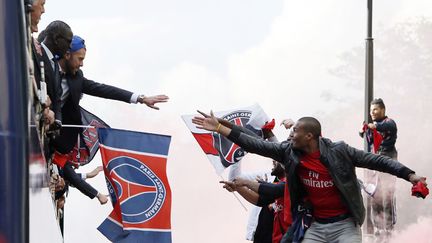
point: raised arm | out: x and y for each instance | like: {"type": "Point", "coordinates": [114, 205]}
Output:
{"type": "Point", "coordinates": [93, 88]}
{"type": "Point", "coordinates": [383, 164]}
{"type": "Point", "coordinates": [269, 192]}
{"type": "Point", "coordinates": [249, 143]}
{"type": "Point", "coordinates": [110, 92]}
{"type": "Point", "coordinates": [229, 124]}
{"type": "Point", "coordinates": [257, 193]}
{"type": "Point", "coordinates": [262, 193]}
{"type": "Point", "coordinates": [151, 101]}
{"type": "Point", "coordinates": [245, 192]}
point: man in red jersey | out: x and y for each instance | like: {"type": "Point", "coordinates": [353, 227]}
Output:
{"type": "Point", "coordinates": [320, 173]}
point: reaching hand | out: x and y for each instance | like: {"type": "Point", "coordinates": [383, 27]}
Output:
{"type": "Point", "coordinates": [220, 120]}
{"type": "Point", "coordinates": [205, 115]}
{"type": "Point", "coordinates": [260, 179]}
{"type": "Point", "coordinates": [102, 198]}
{"type": "Point", "coordinates": [150, 101]}
{"type": "Point", "coordinates": [94, 172]}
{"type": "Point", "coordinates": [239, 181]}
{"type": "Point", "coordinates": [60, 184]}
{"type": "Point", "coordinates": [288, 123]}
{"type": "Point", "coordinates": [414, 179]}
{"type": "Point", "coordinates": [48, 116]}
{"type": "Point", "coordinates": [229, 185]}
{"type": "Point", "coordinates": [209, 123]}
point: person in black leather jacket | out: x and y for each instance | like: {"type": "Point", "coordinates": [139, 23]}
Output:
{"type": "Point", "coordinates": [321, 173]}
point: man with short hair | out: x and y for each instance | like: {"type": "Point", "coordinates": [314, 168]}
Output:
{"type": "Point", "coordinates": [320, 173]}
{"type": "Point", "coordinates": [74, 85]}
{"type": "Point", "coordinates": [55, 45]}
{"type": "Point", "coordinates": [382, 135]}
{"type": "Point", "coordinates": [385, 126]}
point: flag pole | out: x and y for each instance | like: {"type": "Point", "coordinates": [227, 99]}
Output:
{"type": "Point", "coordinates": [235, 195]}
{"type": "Point", "coordinates": [72, 126]}
{"type": "Point", "coordinates": [80, 126]}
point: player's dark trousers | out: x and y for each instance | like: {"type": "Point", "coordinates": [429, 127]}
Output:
{"type": "Point", "coordinates": [77, 181]}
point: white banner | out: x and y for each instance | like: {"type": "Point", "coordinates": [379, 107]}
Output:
{"type": "Point", "coordinates": [219, 150]}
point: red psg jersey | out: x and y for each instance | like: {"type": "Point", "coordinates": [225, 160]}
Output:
{"type": "Point", "coordinates": [322, 192]}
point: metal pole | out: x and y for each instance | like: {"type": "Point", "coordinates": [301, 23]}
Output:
{"type": "Point", "coordinates": [369, 67]}
{"type": "Point", "coordinates": [72, 126]}
{"type": "Point", "coordinates": [369, 229]}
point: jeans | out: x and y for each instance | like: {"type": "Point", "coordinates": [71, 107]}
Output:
{"type": "Point", "coordinates": [344, 231]}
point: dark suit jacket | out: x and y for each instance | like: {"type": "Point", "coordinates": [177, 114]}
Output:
{"type": "Point", "coordinates": [37, 58]}
{"type": "Point", "coordinates": [52, 80]}
{"type": "Point", "coordinates": [79, 85]}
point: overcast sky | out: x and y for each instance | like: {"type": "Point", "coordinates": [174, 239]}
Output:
{"type": "Point", "coordinates": [212, 55]}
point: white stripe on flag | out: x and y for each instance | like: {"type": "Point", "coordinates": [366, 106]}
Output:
{"type": "Point", "coordinates": [132, 151]}
{"type": "Point", "coordinates": [147, 229]}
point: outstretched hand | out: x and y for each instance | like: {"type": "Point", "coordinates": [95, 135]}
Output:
{"type": "Point", "coordinates": [94, 172]}
{"type": "Point", "coordinates": [209, 123]}
{"type": "Point", "coordinates": [414, 179]}
{"type": "Point", "coordinates": [287, 123]}
{"type": "Point", "coordinates": [205, 115]}
{"type": "Point", "coordinates": [260, 179]}
{"type": "Point", "coordinates": [229, 185]}
{"type": "Point", "coordinates": [103, 199]}
{"type": "Point", "coordinates": [150, 101]}
{"type": "Point", "coordinates": [240, 181]}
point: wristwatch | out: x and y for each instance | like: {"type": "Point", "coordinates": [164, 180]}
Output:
{"type": "Point", "coordinates": [141, 98]}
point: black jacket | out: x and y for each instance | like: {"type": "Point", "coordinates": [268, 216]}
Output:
{"type": "Point", "coordinates": [388, 130]}
{"type": "Point", "coordinates": [79, 85]}
{"type": "Point", "coordinates": [339, 158]}
{"type": "Point", "coordinates": [54, 89]}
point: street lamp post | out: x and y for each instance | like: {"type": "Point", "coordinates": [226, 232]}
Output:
{"type": "Point", "coordinates": [369, 67]}
{"type": "Point", "coordinates": [368, 227]}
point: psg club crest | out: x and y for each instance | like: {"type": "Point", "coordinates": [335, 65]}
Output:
{"type": "Point", "coordinates": [229, 152]}
{"type": "Point", "coordinates": [135, 171]}
{"type": "Point", "coordinates": [140, 190]}
{"type": "Point", "coordinates": [220, 151]}
{"type": "Point", "coordinates": [86, 148]}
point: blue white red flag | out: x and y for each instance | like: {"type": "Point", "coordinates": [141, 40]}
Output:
{"type": "Point", "coordinates": [135, 171]}
{"type": "Point", "coordinates": [221, 152]}
{"type": "Point", "coordinates": [88, 144]}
